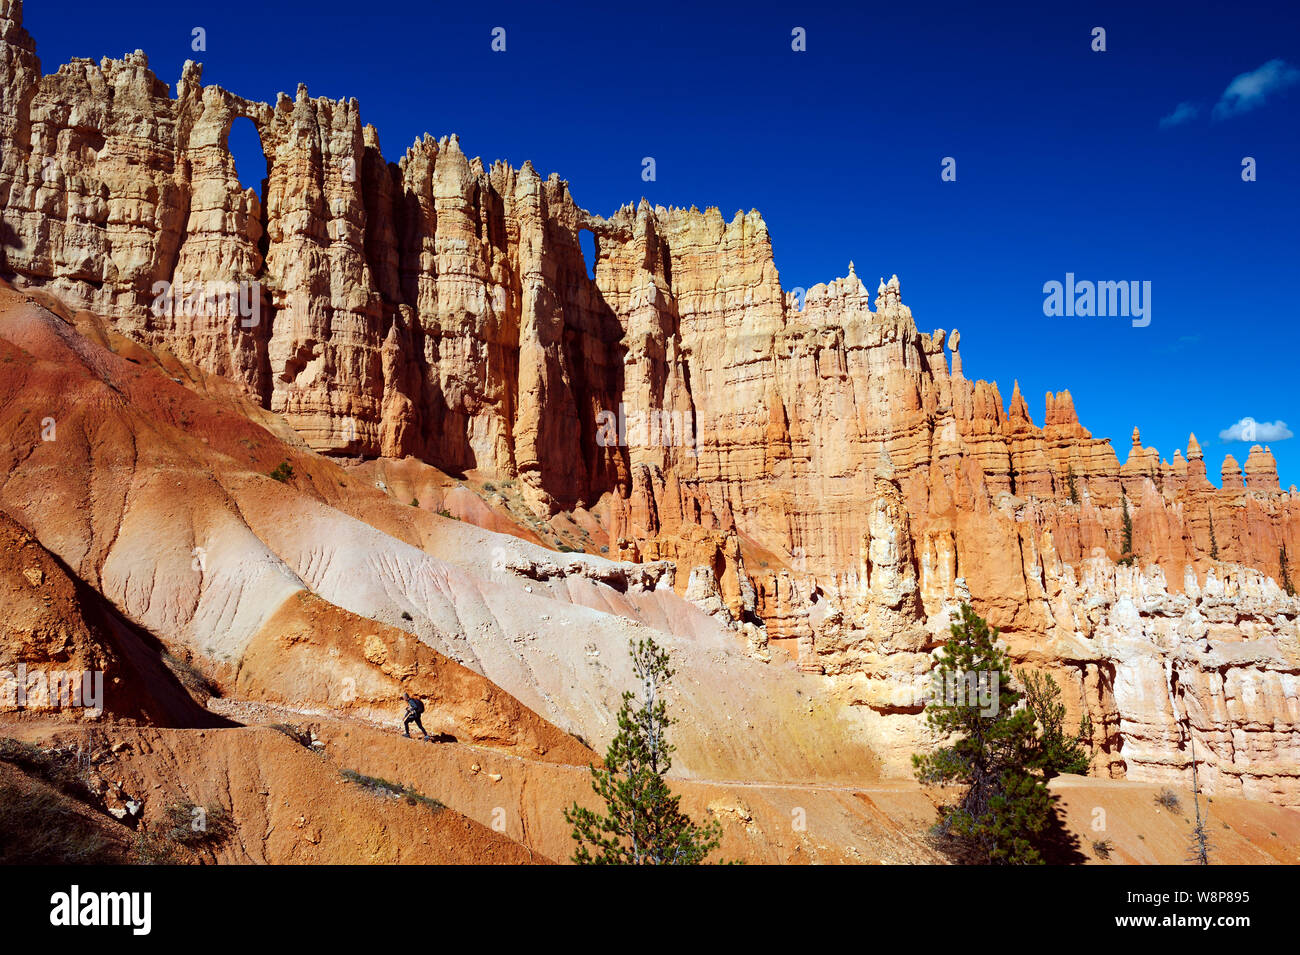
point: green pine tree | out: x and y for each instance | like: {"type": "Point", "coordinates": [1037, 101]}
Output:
{"type": "Point", "coordinates": [1005, 806]}
{"type": "Point", "coordinates": [1126, 558]}
{"type": "Point", "coordinates": [1069, 482]}
{"type": "Point", "coordinates": [1214, 544]}
{"type": "Point", "coordinates": [643, 823]}
{"type": "Point", "coordinates": [1286, 575]}
{"type": "Point", "coordinates": [1055, 752]}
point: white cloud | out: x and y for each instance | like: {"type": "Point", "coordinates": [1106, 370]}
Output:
{"type": "Point", "coordinates": [1251, 431]}
{"type": "Point", "coordinates": [1183, 113]}
{"type": "Point", "coordinates": [1249, 90]}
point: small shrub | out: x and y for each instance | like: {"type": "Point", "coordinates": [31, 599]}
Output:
{"type": "Point", "coordinates": [374, 784]}
{"type": "Point", "coordinates": [443, 512]}
{"type": "Point", "coordinates": [26, 755]}
{"type": "Point", "coordinates": [191, 677]}
{"type": "Point", "coordinates": [60, 768]}
{"type": "Point", "coordinates": [282, 472]}
{"type": "Point", "coordinates": [1102, 848]}
{"type": "Point", "coordinates": [406, 615]}
{"type": "Point", "coordinates": [39, 828]}
{"type": "Point", "coordinates": [415, 502]}
{"type": "Point", "coordinates": [151, 848]}
{"type": "Point", "coordinates": [301, 737]}
{"type": "Point", "coordinates": [189, 825]}
{"type": "Point", "coordinates": [1169, 799]}
{"type": "Point", "coordinates": [383, 787]}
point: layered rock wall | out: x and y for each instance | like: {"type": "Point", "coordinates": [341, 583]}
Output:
{"type": "Point", "coordinates": [443, 309]}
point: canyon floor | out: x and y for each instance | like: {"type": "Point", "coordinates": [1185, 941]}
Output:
{"type": "Point", "coordinates": [292, 804]}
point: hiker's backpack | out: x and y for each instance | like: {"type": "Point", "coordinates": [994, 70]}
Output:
{"type": "Point", "coordinates": [416, 706]}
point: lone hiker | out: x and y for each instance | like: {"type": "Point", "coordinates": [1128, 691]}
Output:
{"type": "Point", "coordinates": [413, 710]}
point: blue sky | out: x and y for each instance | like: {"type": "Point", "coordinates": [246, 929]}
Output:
{"type": "Point", "coordinates": [1063, 164]}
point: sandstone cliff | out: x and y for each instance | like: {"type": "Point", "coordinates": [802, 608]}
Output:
{"type": "Point", "coordinates": [823, 473]}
